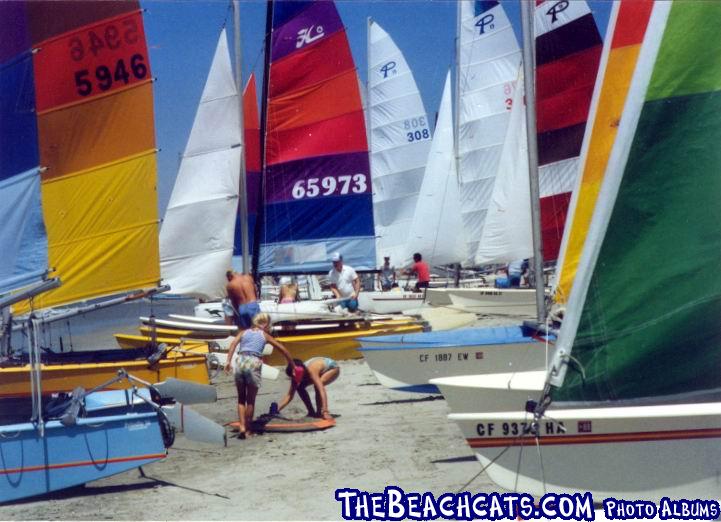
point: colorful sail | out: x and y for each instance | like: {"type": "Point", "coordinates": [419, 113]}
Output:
{"type": "Point", "coordinates": [488, 61]}
{"type": "Point", "coordinates": [643, 314]}
{"type": "Point", "coordinates": [507, 234]}
{"type": "Point", "coordinates": [436, 223]}
{"type": "Point", "coordinates": [568, 50]}
{"type": "Point", "coordinates": [251, 124]}
{"type": "Point", "coordinates": [317, 185]}
{"type": "Point", "coordinates": [196, 238]}
{"type": "Point", "coordinates": [23, 242]}
{"type": "Point", "coordinates": [618, 61]}
{"type": "Point", "coordinates": [90, 85]}
{"type": "Point", "coordinates": [400, 138]}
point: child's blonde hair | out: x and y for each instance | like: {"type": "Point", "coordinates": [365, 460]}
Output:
{"type": "Point", "coordinates": [260, 320]}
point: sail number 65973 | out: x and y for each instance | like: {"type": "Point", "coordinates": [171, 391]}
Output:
{"type": "Point", "coordinates": [329, 186]}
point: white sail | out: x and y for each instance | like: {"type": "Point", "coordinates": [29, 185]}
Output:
{"type": "Point", "coordinates": [196, 238]}
{"type": "Point", "coordinates": [436, 221]}
{"type": "Point", "coordinates": [400, 139]}
{"type": "Point", "coordinates": [489, 57]}
{"type": "Point", "coordinates": [507, 235]}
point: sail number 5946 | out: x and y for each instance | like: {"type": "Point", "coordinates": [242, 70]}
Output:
{"type": "Point", "coordinates": [329, 185]}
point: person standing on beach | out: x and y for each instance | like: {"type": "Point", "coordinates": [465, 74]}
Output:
{"type": "Point", "coordinates": [318, 371]}
{"type": "Point", "coordinates": [243, 304]}
{"type": "Point", "coordinates": [344, 283]}
{"type": "Point", "coordinates": [422, 271]}
{"type": "Point", "coordinates": [387, 275]}
{"type": "Point", "coordinates": [248, 364]}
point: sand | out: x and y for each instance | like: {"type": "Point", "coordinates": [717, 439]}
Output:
{"type": "Point", "coordinates": [382, 437]}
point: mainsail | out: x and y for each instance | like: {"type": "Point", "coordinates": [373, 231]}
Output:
{"type": "Point", "coordinates": [436, 221]}
{"type": "Point", "coordinates": [632, 311]}
{"type": "Point", "coordinates": [618, 61]}
{"type": "Point", "coordinates": [506, 235]}
{"type": "Point", "coordinates": [317, 186]}
{"type": "Point", "coordinates": [488, 60]}
{"type": "Point", "coordinates": [400, 138]}
{"type": "Point", "coordinates": [568, 50]}
{"type": "Point", "coordinates": [196, 238]}
{"type": "Point", "coordinates": [81, 97]}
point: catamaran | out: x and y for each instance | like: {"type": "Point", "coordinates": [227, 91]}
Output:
{"type": "Point", "coordinates": [633, 388]}
{"type": "Point", "coordinates": [392, 362]}
{"type": "Point", "coordinates": [65, 123]}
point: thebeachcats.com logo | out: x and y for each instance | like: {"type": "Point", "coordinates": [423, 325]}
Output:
{"type": "Point", "coordinates": [395, 504]}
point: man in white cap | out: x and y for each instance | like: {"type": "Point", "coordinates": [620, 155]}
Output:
{"type": "Point", "coordinates": [344, 283]}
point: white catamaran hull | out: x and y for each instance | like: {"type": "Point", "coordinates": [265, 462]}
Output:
{"type": "Point", "coordinates": [491, 392]}
{"type": "Point", "coordinates": [278, 311]}
{"type": "Point", "coordinates": [389, 302]}
{"type": "Point", "coordinates": [408, 362]}
{"type": "Point", "coordinates": [631, 452]}
{"type": "Point", "coordinates": [519, 302]}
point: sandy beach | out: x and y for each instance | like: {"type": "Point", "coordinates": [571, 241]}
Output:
{"type": "Point", "coordinates": [382, 437]}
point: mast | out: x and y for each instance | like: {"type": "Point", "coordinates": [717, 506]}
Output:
{"type": "Point", "coordinates": [263, 125]}
{"type": "Point", "coordinates": [457, 112]}
{"type": "Point", "coordinates": [529, 61]}
{"type": "Point", "coordinates": [243, 185]}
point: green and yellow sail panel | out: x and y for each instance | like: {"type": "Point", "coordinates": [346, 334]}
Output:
{"type": "Point", "coordinates": [568, 51]}
{"type": "Point", "coordinates": [96, 141]}
{"type": "Point", "coordinates": [643, 317]}
{"type": "Point", "coordinates": [317, 185]}
{"type": "Point", "coordinates": [627, 25]}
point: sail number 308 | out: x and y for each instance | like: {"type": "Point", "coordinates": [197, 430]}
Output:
{"type": "Point", "coordinates": [328, 186]}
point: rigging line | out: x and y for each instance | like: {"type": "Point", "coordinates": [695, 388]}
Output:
{"type": "Point", "coordinates": [540, 460]}
{"type": "Point", "coordinates": [526, 431]}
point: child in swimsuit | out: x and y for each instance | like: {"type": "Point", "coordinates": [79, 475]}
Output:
{"type": "Point", "coordinates": [248, 364]}
{"type": "Point", "coordinates": [320, 372]}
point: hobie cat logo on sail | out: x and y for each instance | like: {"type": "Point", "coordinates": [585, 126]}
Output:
{"type": "Point", "coordinates": [388, 68]}
{"type": "Point", "coordinates": [485, 21]}
{"type": "Point", "coordinates": [556, 8]}
{"type": "Point", "coordinates": [309, 35]}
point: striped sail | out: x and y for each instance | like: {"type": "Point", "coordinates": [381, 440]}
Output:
{"type": "Point", "coordinates": [488, 60]}
{"type": "Point", "coordinates": [82, 108]}
{"type": "Point", "coordinates": [436, 220]}
{"type": "Point", "coordinates": [317, 185]}
{"type": "Point", "coordinates": [251, 124]}
{"type": "Point", "coordinates": [196, 238]}
{"type": "Point", "coordinates": [622, 45]}
{"type": "Point", "coordinates": [642, 322]}
{"type": "Point", "coordinates": [400, 138]}
{"type": "Point", "coordinates": [568, 50]}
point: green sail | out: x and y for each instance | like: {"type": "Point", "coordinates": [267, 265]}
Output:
{"type": "Point", "coordinates": [650, 325]}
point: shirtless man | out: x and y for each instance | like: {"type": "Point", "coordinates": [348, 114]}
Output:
{"type": "Point", "coordinates": [243, 300]}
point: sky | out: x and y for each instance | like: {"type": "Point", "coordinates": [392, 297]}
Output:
{"type": "Point", "coordinates": [182, 36]}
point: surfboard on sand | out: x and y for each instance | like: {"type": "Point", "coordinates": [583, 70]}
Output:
{"type": "Point", "coordinates": [276, 423]}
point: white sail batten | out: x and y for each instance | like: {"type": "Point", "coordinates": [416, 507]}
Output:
{"type": "Point", "coordinates": [194, 258]}
{"type": "Point", "coordinates": [489, 57]}
{"type": "Point", "coordinates": [436, 219]}
{"type": "Point", "coordinates": [506, 235]}
{"type": "Point", "coordinates": [400, 138]}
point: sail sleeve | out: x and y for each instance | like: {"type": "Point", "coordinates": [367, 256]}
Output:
{"type": "Point", "coordinates": [317, 185]}
{"type": "Point", "coordinates": [643, 313]}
